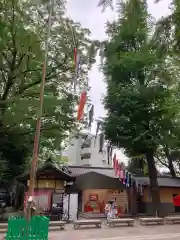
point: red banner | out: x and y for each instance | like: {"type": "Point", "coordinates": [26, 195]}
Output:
{"type": "Point", "coordinates": [82, 103]}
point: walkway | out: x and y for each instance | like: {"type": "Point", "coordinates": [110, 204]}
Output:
{"type": "Point", "coordinates": [121, 233]}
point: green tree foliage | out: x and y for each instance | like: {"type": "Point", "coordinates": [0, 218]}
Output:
{"type": "Point", "coordinates": [105, 4]}
{"type": "Point", "coordinates": [168, 27]}
{"type": "Point", "coordinates": [23, 31]}
{"type": "Point", "coordinates": [167, 30]}
{"type": "Point", "coordinates": [139, 87]}
{"type": "Point", "coordinates": [137, 165]}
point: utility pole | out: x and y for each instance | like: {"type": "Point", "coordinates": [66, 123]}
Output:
{"type": "Point", "coordinates": [40, 113]}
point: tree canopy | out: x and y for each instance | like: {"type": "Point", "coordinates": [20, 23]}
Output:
{"type": "Point", "coordinates": [142, 86]}
{"type": "Point", "coordinates": [23, 32]}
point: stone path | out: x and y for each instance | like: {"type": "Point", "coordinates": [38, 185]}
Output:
{"type": "Point", "coordinates": [170, 232]}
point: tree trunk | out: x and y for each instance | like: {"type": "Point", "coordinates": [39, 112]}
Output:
{"type": "Point", "coordinates": [170, 162]}
{"type": "Point", "coordinates": [154, 188]}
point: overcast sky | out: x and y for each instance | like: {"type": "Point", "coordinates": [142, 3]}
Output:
{"type": "Point", "coordinates": [90, 16]}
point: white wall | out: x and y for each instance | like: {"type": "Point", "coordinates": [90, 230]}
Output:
{"type": "Point", "coordinates": [96, 159]}
{"type": "Point", "coordinates": [73, 152]}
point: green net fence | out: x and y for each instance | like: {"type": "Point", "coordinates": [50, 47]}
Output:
{"type": "Point", "coordinates": [35, 229]}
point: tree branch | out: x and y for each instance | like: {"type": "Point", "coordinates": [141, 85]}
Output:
{"type": "Point", "coordinates": [48, 77]}
{"type": "Point", "coordinates": [27, 71]}
{"type": "Point", "coordinates": [164, 164]}
{"type": "Point", "coordinates": [4, 55]}
{"type": "Point", "coordinates": [14, 54]}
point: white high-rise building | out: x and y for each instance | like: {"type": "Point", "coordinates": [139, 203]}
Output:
{"type": "Point", "coordinates": [85, 150]}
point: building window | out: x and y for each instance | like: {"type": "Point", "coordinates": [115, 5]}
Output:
{"type": "Point", "coordinates": [86, 144]}
{"type": "Point", "coordinates": [86, 156]}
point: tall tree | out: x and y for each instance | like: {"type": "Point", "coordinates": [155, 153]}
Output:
{"type": "Point", "coordinates": [168, 152]}
{"type": "Point", "coordinates": [137, 88]}
{"type": "Point", "coordinates": [22, 35]}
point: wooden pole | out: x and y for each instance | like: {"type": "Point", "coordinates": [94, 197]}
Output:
{"type": "Point", "coordinates": [38, 123]}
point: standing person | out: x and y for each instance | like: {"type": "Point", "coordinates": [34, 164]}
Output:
{"type": "Point", "coordinates": [106, 209]}
{"type": "Point", "coordinates": [114, 208]}
{"type": "Point", "coordinates": [109, 210]}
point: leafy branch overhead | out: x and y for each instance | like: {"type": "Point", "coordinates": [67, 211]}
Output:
{"type": "Point", "coordinates": [22, 58]}
{"type": "Point", "coordinates": [23, 32]}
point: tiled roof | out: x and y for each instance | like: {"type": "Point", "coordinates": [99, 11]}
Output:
{"type": "Point", "coordinates": [74, 171]}
{"type": "Point", "coordinates": [162, 181]}
{"type": "Point", "coordinates": [64, 170]}
{"type": "Point", "coordinates": [79, 170]}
